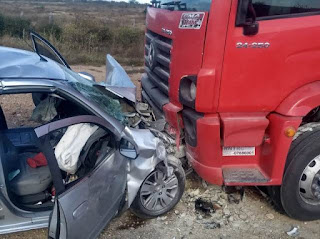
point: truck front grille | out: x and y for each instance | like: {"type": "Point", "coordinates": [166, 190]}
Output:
{"type": "Point", "coordinates": [158, 70]}
{"type": "Point", "coordinates": [155, 82]}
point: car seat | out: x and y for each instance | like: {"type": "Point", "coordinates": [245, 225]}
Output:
{"type": "Point", "coordinates": [27, 180]}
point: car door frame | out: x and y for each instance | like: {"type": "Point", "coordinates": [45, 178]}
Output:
{"type": "Point", "coordinates": [35, 35]}
{"type": "Point", "coordinates": [58, 224]}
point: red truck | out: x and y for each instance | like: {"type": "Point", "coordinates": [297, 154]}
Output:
{"type": "Point", "coordinates": [238, 82]}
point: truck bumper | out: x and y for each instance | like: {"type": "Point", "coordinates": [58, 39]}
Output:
{"type": "Point", "coordinates": [204, 136]}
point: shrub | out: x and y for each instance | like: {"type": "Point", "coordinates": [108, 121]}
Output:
{"type": "Point", "coordinates": [52, 30]}
{"type": "Point", "coordinates": [16, 26]}
{"type": "Point", "coordinates": [2, 24]}
{"type": "Point", "coordinates": [127, 37]}
{"type": "Point", "coordinates": [81, 41]}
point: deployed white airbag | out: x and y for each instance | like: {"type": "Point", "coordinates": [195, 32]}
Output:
{"type": "Point", "coordinates": [68, 149]}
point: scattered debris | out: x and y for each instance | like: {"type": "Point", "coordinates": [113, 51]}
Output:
{"type": "Point", "coordinates": [163, 218]}
{"type": "Point", "coordinates": [212, 225]}
{"type": "Point", "coordinates": [235, 194]}
{"type": "Point", "coordinates": [204, 184]}
{"type": "Point", "coordinates": [294, 232]}
{"type": "Point", "coordinates": [243, 216]}
{"type": "Point", "coordinates": [204, 206]}
{"type": "Point", "coordinates": [270, 216]}
{"type": "Point", "coordinates": [233, 199]}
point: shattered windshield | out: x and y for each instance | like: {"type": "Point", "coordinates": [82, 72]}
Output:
{"type": "Point", "coordinates": [184, 5]}
{"type": "Point", "coordinates": [93, 92]}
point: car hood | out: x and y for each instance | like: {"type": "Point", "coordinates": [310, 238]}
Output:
{"type": "Point", "coordinates": [16, 63]}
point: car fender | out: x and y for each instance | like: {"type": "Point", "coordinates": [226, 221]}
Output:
{"type": "Point", "coordinates": [300, 102]}
{"type": "Point", "coordinates": [138, 169]}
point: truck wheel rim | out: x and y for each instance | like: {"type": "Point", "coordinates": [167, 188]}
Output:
{"type": "Point", "coordinates": [310, 182]}
{"type": "Point", "coordinates": [158, 191]}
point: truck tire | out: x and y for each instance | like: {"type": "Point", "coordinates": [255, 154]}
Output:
{"type": "Point", "coordinates": [172, 186]}
{"type": "Point", "coordinates": [300, 189]}
{"type": "Point", "coordinates": [274, 193]}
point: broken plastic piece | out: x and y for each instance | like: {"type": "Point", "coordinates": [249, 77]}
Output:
{"type": "Point", "coordinates": [204, 206]}
{"type": "Point", "coordinates": [212, 225]}
{"type": "Point", "coordinates": [118, 81]}
{"type": "Point", "coordinates": [294, 232]}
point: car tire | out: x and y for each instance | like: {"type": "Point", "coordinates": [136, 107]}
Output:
{"type": "Point", "coordinates": [140, 206]}
{"type": "Point", "coordinates": [301, 173]}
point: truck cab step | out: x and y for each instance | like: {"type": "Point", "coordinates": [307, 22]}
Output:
{"type": "Point", "coordinates": [243, 175]}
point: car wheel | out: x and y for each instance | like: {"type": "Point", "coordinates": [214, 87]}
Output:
{"type": "Point", "coordinates": [300, 190]}
{"type": "Point", "coordinates": [159, 193]}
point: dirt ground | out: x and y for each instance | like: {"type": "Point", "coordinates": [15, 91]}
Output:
{"type": "Point", "coordinates": [251, 217]}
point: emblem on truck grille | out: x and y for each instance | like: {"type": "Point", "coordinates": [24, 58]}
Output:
{"type": "Point", "coordinates": [167, 31]}
{"type": "Point", "coordinates": [151, 55]}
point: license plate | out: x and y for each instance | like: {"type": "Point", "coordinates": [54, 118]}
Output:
{"type": "Point", "coordinates": [239, 151]}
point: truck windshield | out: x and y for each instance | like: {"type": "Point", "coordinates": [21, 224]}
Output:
{"type": "Point", "coordinates": [183, 5]}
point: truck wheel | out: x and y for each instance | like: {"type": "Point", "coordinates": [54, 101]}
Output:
{"type": "Point", "coordinates": [275, 196]}
{"type": "Point", "coordinates": [300, 190]}
{"type": "Point", "coordinates": [159, 193]}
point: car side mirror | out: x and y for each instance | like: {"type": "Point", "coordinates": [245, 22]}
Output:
{"type": "Point", "coordinates": [87, 76]}
{"type": "Point", "coordinates": [127, 149]}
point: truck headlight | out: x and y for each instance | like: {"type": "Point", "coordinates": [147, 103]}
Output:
{"type": "Point", "coordinates": [188, 91]}
{"type": "Point", "coordinates": [193, 91]}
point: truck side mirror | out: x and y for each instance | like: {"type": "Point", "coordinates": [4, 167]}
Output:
{"type": "Point", "coordinates": [251, 29]}
{"type": "Point", "coordinates": [247, 18]}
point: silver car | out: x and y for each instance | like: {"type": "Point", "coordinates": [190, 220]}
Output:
{"type": "Point", "coordinates": [117, 167]}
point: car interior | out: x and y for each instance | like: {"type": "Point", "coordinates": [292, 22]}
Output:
{"type": "Point", "coordinates": [26, 172]}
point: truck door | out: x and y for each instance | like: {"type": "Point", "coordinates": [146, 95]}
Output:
{"type": "Point", "coordinates": [86, 204]}
{"type": "Point", "coordinates": [260, 70]}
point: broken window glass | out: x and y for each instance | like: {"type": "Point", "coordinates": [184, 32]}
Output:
{"type": "Point", "coordinates": [92, 91]}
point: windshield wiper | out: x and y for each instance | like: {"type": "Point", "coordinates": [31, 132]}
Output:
{"type": "Point", "coordinates": [181, 6]}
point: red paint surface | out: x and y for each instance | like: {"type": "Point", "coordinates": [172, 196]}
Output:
{"type": "Point", "coordinates": [301, 101]}
{"type": "Point", "coordinates": [258, 80]}
{"type": "Point", "coordinates": [243, 129]}
{"type": "Point", "coordinates": [281, 83]}
{"type": "Point", "coordinates": [187, 48]}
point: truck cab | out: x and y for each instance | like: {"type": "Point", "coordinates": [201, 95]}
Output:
{"type": "Point", "coordinates": [237, 81]}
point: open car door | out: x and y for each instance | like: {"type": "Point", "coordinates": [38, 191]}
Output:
{"type": "Point", "coordinates": [45, 48]}
{"type": "Point", "coordinates": [84, 207]}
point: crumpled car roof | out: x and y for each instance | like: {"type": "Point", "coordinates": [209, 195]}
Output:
{"type": "Point", "coordinates": [16, 63]}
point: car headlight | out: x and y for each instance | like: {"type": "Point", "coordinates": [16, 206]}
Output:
{"type": "Point", "coordinates": [161, 151]}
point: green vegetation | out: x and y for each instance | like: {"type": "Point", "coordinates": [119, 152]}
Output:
{"type": "Point", "coordinates": [81, 39]}
{"type": "Point", "coordinates": [13, 26]}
